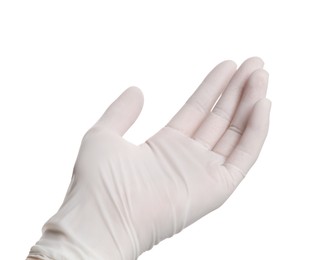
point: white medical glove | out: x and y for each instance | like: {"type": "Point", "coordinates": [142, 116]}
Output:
{"type": "Point", "coordinates": [124, 199]}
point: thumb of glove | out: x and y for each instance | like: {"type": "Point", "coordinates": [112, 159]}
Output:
{"type": "Point", "coordinates": [123, 112]}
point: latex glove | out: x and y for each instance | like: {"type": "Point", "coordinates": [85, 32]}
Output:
{"type": "Point", "coordinates": [123, 198]}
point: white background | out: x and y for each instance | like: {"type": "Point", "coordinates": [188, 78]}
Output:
{"type": "Point", "coordinates": [63, 62]}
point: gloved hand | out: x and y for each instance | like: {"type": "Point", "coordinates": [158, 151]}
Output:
{"type": "Point", "coordinates": [124, 199]}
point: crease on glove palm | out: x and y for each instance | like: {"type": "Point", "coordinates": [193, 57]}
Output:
{"type": "Point", "coordinates": [124, 199]}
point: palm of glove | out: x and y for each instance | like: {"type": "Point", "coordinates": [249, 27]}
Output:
{"type": "Point", "coordinates": [155, 189]}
